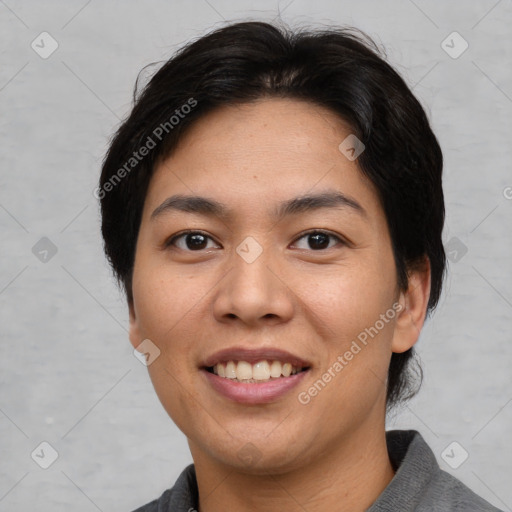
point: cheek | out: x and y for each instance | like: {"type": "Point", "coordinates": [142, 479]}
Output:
{"type": "Point", "coordinates": [164, 309]}
{"type": "Point", "coordinates": [164, 298]}
{"type": "Point", "coordinates": [349, 298]}
{"type": "Point", "coordinates": [348, 305]}
{"type": "Point", "coordinates": [161, 310]}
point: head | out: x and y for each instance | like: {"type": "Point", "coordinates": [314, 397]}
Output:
{"type": "Point", "coordinates": [258, 120]}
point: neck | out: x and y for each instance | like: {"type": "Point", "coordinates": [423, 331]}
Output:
{"type": "Point", "coordinates": [347, 477]}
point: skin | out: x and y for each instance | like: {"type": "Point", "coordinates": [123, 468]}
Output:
{"type": "Point", "coordinates": [310, 302]}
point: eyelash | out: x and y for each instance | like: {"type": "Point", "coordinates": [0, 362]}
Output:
{"type": "Point", "coordinates": [170, 241]}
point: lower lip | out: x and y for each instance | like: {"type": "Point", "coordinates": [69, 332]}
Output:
{"type": "Point", "coordinates": [253, 393]}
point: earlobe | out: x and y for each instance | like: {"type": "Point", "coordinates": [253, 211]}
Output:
{"type": "Point", "coordinates": [411, 316]}
{"type": "Point", "coordinates": [134, 332]}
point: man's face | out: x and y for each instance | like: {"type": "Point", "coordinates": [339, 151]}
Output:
{"type": "Point", "coordinates": [307, 283]}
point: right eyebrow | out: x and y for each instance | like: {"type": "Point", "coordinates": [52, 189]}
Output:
{"type": "Point", "coordinates": [191, 204]}
{"type": "Point", "coordinates": [301, 204]}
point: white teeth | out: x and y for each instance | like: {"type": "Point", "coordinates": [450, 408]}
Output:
{"type": "Point", "coordinates": [261, 371]}
{"type": "Point", "coordinates": [287, 369]}
{"type": "Point", "coordinates": [231, 370]}
{"type": "Point", "coordinates": [275, 369]}
{"type": "Point", "coordinates": [243, 370]}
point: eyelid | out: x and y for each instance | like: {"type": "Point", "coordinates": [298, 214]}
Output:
{"type": "Point", "coordinates": [341, 240]}
{"type": "Point", "coordinates": [169, 242]}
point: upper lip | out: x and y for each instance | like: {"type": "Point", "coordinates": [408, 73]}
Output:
{"type": "Point", "coordinates": [253, 356]}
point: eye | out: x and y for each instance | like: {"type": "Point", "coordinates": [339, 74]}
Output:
{"type": "Point", "coordinates": [197, 240]}
{"type": "Point", "coordinates": [190, 241]}
{"type": "Point", "coordinates": [319, 240]}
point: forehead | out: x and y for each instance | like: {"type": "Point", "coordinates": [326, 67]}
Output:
{"type": "Point", "coordinates": [273, 148]}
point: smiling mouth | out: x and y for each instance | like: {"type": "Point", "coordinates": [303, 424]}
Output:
{"type": "Point", "coordinates": [262, 371]}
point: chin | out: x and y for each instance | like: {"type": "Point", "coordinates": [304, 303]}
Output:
{"type": "Point", "coordinates": [247, 457]}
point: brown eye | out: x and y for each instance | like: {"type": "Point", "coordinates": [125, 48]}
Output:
{"type": "Point", "coordinates": [190, 241]}
{"type": "Point", "coordinates": [318, 240]}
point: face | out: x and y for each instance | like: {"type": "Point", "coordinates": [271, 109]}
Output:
{"type": "Point", "coordinates": [266, 275]}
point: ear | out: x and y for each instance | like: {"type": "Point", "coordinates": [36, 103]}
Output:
{"type": "Point", "coordinates": [134, 332]}
{"type": "Point", "coordinates": [413, 309]}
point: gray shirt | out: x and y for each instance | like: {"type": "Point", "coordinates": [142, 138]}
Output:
{"type": "Point", "coordinates": [419, 484]}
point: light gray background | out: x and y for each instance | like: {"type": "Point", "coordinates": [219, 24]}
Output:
{"type": "Point", "coordinates": [67, 371]}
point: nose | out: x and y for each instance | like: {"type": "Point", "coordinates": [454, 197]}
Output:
{"type": "Point", "coordinates": [254, 291]}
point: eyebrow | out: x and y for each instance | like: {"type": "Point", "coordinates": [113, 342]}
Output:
{"type": "Point", "coordinates": [302, 204]}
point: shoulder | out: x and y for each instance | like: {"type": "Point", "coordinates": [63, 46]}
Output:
{"type": "Point", "coordinates": [182, 497]}
{"type": "Point", "coordinates": [445, 492]}
{"type": "Point", "coordinates": [161, 504]}
{"type": "Point", "coordinates": [419, 484]}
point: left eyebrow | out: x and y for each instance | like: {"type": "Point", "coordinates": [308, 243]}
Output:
{"type": "Point", "coordinates": [302, 204]}
{"type": "Point", "coordinates": [329, 199]}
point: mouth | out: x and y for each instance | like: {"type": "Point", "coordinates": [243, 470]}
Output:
{"type": "Point", "coordinates": [254, 376]}
{"type": "Point", "coordinates": [261, 371]}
